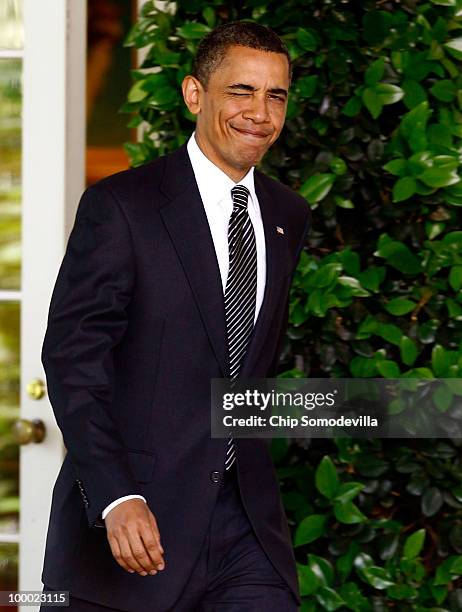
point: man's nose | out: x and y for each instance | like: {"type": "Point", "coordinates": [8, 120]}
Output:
{"type": "Point", "coordinates": [257, 109]}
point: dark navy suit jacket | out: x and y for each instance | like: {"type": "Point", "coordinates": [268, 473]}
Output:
{"type": "Point", "coordinates": [136, 330]}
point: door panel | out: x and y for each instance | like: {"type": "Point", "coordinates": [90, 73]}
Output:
{"type": "Point", "coordinates": [42, 154]}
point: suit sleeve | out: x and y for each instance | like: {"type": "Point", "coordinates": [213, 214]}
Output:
{"type": "Point", "coordinates": [86, 320]}
{"type": "Point", "coordinates": [272, 370]}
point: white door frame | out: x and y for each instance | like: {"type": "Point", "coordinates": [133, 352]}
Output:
{"type": "Point", "coordinates": [53, 178]}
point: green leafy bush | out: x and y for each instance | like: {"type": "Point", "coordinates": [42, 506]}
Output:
{"type": "Point", "coordinates": [372, 141]}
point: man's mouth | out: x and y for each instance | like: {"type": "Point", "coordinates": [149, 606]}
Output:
{"type": "Point", "coordinates": [257, 134]}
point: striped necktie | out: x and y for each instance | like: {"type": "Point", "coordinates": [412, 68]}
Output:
{"type": "Point", "coordinates": [241, 289]}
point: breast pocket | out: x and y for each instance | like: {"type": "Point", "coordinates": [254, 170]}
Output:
{"type": "Point", "coordinates": [142, 464]}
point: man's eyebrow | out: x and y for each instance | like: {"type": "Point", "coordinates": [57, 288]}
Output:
{"type": "Point", "coordinates": [275, 90]}
{"type": "Point", "coordinates": [278, 90]}
{"type": "Point", "coordinates": [241, 86]}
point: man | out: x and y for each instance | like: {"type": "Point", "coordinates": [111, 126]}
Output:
{"type": "Point", "coordinates": [177, 272]}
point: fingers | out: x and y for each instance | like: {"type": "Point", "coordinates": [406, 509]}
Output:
{"type": "Point", "coordinates": [134, 539]}
{"type": "Point", "coordinates": [156, 530]}
{"type": "Point", "coordinates": [152, 547]}
{"type": "Point", "coordinates": [137, 557]}
{"type": "Point", "coordinates": [117, 554]}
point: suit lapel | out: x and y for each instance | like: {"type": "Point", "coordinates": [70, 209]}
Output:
{"type": "Point", "coordinates": [186, 222]}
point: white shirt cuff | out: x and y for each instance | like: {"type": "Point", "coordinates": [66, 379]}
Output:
{"type": "Point", "coordinates": [118, 501]}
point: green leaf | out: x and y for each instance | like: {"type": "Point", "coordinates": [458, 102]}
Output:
{"type": "Point", "coordinates": [338, 166]}
{"type": "Point", "coordinates": [363, 560]}
{"type": "Point", "coordinates": [413, 126]}
{"type": "Point", "coordinates": [388, 368]}
{"type": "Point", "coordinates": [307, 85]}
{"type": "Point", "coordinates": [455, 277]}
{"type": "Point", "coordinates": [398, 255]}
{"type": "Point", "coordinates": [326, 478]}
{"type": "Point", "coordinates": [375, 71]}
{"type": "Point", "coordinates": [404, 188]}
{"type": "Point", "coordinates": [402, 591]}
{"type": "Point", "coordinates": [420, 161]}
{"type": "Point", "coordinates": [329, 599]}
{"type": "Point", "coordinates": [137, 93]}
{"type": "Point", "coordinates": [209, 16]}
{"type": "Point", "coordinates": [440, 361]}
{"type": "Point", "coordinates": [397, 167]}
{"type": "Point", "coordinates": [456, 565]}
{"type": "Point", "coordinates": [434, 229]}
{"type": "Point", "coordinates": [164, 96]}
{"type": "Point", "coordinates": [414, 544]}
{"type": "Point", "coordinates": [317, 187]}
{"type": "Point", "coordinates": [439, 594]}
{"type": "Point", "coordinates": [344, 563]}
{"type": "Point", "coordinates": [454, 48]}
{"type": "Point", "coordinates": [353, 597]}
{"type": "Point", "coordinates": [307, 39]}
{"type": "Point", "coordinates": [414, 93]}
{"type": "Point", "coordinates": [408, 350]}
{"type": "Point", "coordinates": [326, 275]}
{"type": "Point", "coordinates": [348, 513]}
{"type": "Point", "coordinates": [390, 333]}
{"type": "Point", "coordinates": [352, 107]}
{"type": "Point", "coordinates": [455, 385]}
{"type": "Point", "coordinates": [454, 309]}
{"type": "Point", "coordinates": [322, 568]}
{"type": "Point", "coordinates": [343, 202]}
{"type": "Point", "coordinates": [310, 529]}
{"type": "Point", "coordinates": [431, 501]}
{"type": "Point", "coordinates": [439, 177]}
{"type": "Point", "coordinates": [307, 579]}
{"type": "Point", "coordinates": [347, 491]}
{"type": "Point", "coordinates": [362, 367]}
{"type": "Point", "coordinates": [443, 572]}
{"type": "Point", "coordinates": [372, 101]}
{"type": "Point", "coordinates": [377, 577]}
{"type": "Point", "coordinates": [399, 306]}
{"type": "Point", "coordinates": [442, 398]}
{"type": "Point", "coordinates": [396, 406]}
{"type": "Point", "coordinates": [388, 93]}
{"type": "Point", "coordinates": [372, 277]}
{"type": "Point", "coordinates": [352, 283]}
{"type": "Point", "coordinates": [193, 30]}
{"type": "Point", "coordinates": [444, 90]}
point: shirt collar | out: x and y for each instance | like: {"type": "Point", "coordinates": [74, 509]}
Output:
{"type": "Point", "coordinates": [214, 184]}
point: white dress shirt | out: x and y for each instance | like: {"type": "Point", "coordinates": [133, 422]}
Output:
{"type": "Point", "coordinates": [215, 190]}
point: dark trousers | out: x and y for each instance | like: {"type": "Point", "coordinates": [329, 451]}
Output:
{"type": "Point", "coordinates": [232, 573]}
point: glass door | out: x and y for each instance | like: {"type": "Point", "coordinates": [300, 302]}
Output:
{"type": "Point", "coordinates": [11, 62]}
{"type": "Point", "coordinates": [42, 162]}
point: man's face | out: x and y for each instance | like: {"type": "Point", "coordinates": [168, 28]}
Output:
{"type": "Point", "coordinates": [242, 112]}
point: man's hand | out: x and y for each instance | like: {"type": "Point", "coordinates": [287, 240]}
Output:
{"type": "Point", "coordinates": [134, 537]}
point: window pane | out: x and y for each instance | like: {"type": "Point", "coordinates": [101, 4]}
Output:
{"type": "Point", "coordinates": [11, 28]}
{"type": "Point", "coordinates": [9, 570]}
{"type": "Point", "coordinates": [10, 173]}
{"type": "Point", "coordinates": [9, 410]}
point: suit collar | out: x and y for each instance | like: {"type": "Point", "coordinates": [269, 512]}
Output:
{"type": "Point", "coordinates": [213, 183]}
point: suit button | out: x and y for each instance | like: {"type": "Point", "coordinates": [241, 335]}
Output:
{"type": "Point", "coordinates": [215, 476]}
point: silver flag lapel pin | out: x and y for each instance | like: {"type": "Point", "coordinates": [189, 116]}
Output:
{"type": "Point", "coordinates": [279, 230]}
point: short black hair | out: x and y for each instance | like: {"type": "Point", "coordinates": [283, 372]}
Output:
{"type": "Point", "coordinates": [213, 47]}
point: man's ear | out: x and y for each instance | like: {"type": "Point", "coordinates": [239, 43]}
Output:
{"type": "Point", "coordinates": [192, 93]}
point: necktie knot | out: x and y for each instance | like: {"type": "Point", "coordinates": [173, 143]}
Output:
{"type": "Point", "coordinates": [240, 195]}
